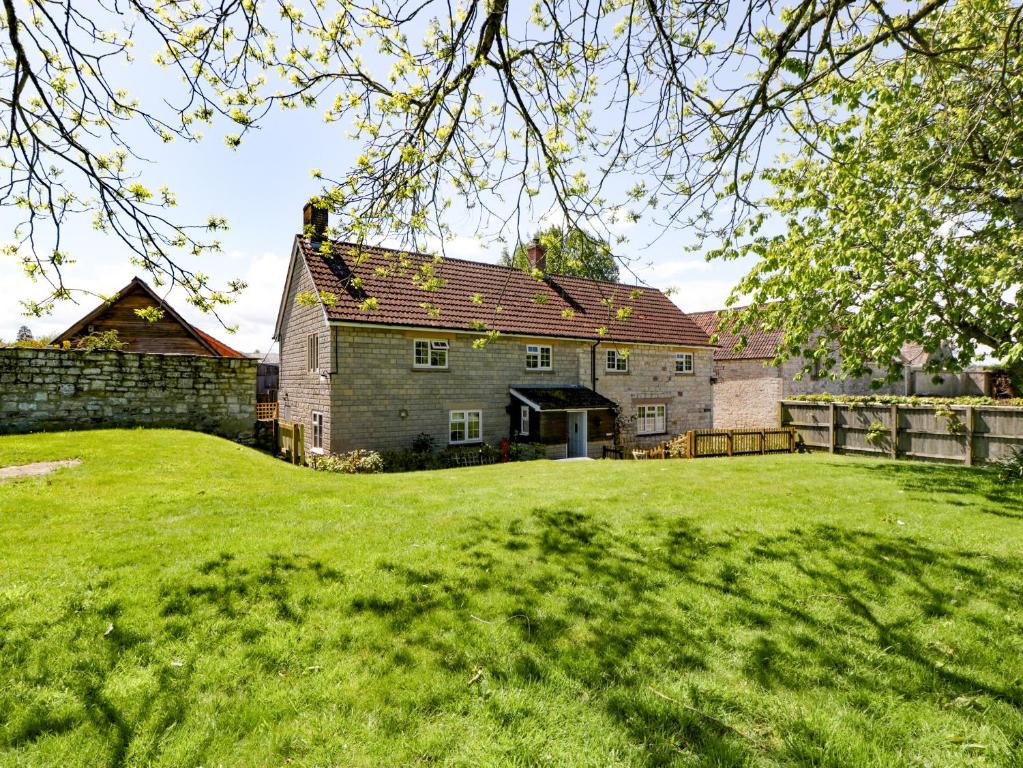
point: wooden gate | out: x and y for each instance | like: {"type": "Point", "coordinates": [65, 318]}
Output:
{"type": "Point", "coordinates": [291, 441]}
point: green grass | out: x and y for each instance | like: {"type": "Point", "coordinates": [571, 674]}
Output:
{"type": "Point", "coordinates": [178, 600]}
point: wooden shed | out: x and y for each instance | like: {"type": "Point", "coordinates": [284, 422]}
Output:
{"type": "Point", "coordinates": [170, 334]}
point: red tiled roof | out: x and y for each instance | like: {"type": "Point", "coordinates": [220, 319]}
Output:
{"type": "Point", "coordinates": [760, 345]}
{"type": "Point", "coordinates": [219, 346]}
{"type": "Point", "coordinates": [507, 299]}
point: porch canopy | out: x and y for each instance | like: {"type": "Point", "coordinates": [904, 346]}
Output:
{"type": "Point", "coordinates": [561, 398]}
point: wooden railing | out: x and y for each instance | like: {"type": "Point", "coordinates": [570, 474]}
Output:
{"type": "Point", "coordinates": [739, 442]}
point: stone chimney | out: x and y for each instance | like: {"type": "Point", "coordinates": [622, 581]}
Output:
{"type": "Point", "coordinates": [314, 221]}
{"type": "Point", "coordinates": [536, 255]}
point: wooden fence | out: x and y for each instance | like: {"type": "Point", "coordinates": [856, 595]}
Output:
{"type": "Point", "coordinates": [291, 441]}
{"type": "Point", "coordinates": [739, 442]}
{"type": "Point", "coordinates": [966, 434]}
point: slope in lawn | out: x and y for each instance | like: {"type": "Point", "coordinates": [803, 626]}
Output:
{"type": "Point", "coordinates": [179, 600]}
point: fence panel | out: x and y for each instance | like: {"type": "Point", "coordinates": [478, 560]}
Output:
{"type": "Point", "coordinates": [739, 442]}
{"type": "Point", "coordinates": [957, 433]}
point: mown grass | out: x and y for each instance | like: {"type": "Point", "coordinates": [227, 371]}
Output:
{"type": "Point", "coordinates": [178, 600]}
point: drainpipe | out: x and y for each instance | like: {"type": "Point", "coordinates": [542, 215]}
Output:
{"type": "Point", "coordinates": [593, 365]}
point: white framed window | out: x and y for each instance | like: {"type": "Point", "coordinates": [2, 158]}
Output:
{"type": "Point", "coordinates": [524, 421]}
{"type": "Point", "coordinates": [317, 431]}
{"type": "Point", "coordinates": [683, 362]}
{"type": "Point", "coordinates": [465, 427]}
{"type": "Point", "coordinates": [538, 357]}
{"type": "Point", "coordinates": [650, 420]}
{"type": "Point", "coordinates": [312, 352]}
{"type": "Point", "coordinates": [617, 361]}
{"type": "Point", "coordinates": [430, 353]}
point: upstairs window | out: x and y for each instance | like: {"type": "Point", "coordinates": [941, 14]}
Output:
{"type": "Point", "coordinates": [617, 361]}
{"type": "Point", "coordinates": [650, 419]}
{"type": "Point", "coordinates": [683, 362]}
{"type": "Point", "coordinates": [430, 354]}
{"type": "Point", "coordinates": [312, 352]}
{"type": "Point", "coordinates": [465, 427]}
{"type": "Point", "coordinates": [538, 357]}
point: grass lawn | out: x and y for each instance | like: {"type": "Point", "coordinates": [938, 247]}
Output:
{"type": "Point", "coordinates": [178, 600]}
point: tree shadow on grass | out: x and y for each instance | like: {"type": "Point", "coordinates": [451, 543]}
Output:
{"type": "Point", "coordinates": [961, 486]}
{"type": "Point", "coordinates": [675, 643]}
{"type": "Point", "coordinates": [66, 669]}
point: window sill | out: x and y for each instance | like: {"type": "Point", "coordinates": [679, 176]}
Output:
{"type": "Point", "coordinates": [617, 373]}
{"type": "Point", "coordinates": [317, 451]}
{"type": "Point", "coordinates": [429, 369]}
{"type": "Point", "coordinates": [683, 373]}
{"type": "Point", "coordinates": [651, 434]}
{"type": "Point", "coordinates": [464, 443]}
{"type": "Point", "coordinates": [539, 370]}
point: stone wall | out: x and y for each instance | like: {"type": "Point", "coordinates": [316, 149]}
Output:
{"type": "Point", "coordinates": [49, 389]}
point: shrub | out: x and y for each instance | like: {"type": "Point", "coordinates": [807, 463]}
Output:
{"type": "Point", "coordinates": [677, 447]}
{"type": "Point", "coordinates": [1010, 469]}
{"type": "Point", "coordinates": [356, 462]}
{"type": "Point", "coordinates": [527, 451]}
{"type": "Point", "coordinates": [100, 340]}
{"type": "Point", "coordinates": [423, 443]}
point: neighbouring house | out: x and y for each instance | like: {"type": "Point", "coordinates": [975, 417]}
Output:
{"type": "Point", "coordinates": [167, 335]}
{"type": "Point", "coordinates": [747, 388]}
{"type": "Point", "coordinates": [370, 358]}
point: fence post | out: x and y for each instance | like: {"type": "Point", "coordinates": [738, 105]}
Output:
{"type": "Point", "coordinates": [970, 424]}
{"type": "Point", "coordinates": [831, 427]}
{"type": "Point", "coordinates": [781, 413]}
{"type": "Point", "coordinates": [729, 436]}
{"type": "Point", "coordinates": [792, 439]}
{"type": "Point", "coordinates": [895, 430]}
{"type": "Point", "coordinates": [763, 441]}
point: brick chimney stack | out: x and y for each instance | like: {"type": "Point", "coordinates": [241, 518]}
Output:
{"type": "Point", "coordinates": [536, 255]}
{"type": "Point", "coordinates": [314, 221]}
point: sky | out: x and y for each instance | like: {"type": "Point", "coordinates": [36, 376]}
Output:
{"type": "Point", "coordinates": [261, 188]}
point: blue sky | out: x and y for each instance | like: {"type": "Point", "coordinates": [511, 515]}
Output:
{"type": "Point", "coordinates": [261, 188]}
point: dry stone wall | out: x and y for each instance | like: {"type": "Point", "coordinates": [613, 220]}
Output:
{"type": "Point", "coordinates": [48, 390]}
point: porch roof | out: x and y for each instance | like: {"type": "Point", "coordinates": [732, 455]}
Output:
{"type": "Point", "coordinates": [562, 398]}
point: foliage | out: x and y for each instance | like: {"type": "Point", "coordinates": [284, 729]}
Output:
{"type": "Point", "coordinates": [953, 423]}
{"type": "Point", "coordinates": [423, 443]}
{"type": "Point", "coordinates": [100, 340]}
{"type": "Point", "coordinates": [457, 456]}
{"type": "Point", "coordinates": [358, 462]}
{"type": "Point", "coordinates": [877, 433]}
{"type": "Point", "coordinates": [571, 252]}
{"type": "Point", "coordinates": [1010, 468]}
{"type": "Point", "coordinates": [904, 400]}
{"type": "Point", "coordinates": [492, 105]}
{"type": "Point", "coordinates": [678, 447]}
{"type": "Point", "coordinates": [41, 343]}
{"type": "Point", "coordinates": [902, 208]}
{"type": "Point", "coordinates": [228, 600]}
{"type": "Point", "coordinates": [24, 334]}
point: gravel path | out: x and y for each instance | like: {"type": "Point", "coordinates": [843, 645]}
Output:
{"type": "Point", "coordinates": [38, 468]}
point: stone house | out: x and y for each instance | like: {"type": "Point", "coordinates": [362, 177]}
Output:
{"type": "Point", "coordinates": [747, 388]}
{"type": "Point", "coordinates": [378, 346]}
